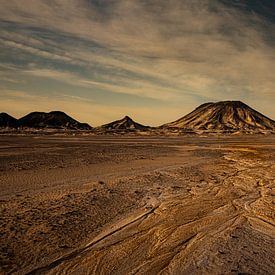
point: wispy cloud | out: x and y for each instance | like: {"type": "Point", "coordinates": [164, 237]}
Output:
{"type": "Point", "coordinates": [179, 51]}
{"type": "Point", "coordinates": [36, 51]}
{"type": "Point", "coordinates": [140, 88]}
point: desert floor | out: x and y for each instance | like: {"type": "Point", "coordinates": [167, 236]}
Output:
{"type": "Point", "coordinates": [137, 205]}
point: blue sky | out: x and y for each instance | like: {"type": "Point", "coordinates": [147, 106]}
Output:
{"type": "Point", "coordinates": [154, 60]}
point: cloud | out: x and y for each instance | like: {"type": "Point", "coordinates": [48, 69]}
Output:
{"type": "Point", "coordinates": [175, 51]}
{"type": "Point", "coordinates": [15, 94]}
{"type": "Point", "coordinates": [133, 87]}
{"type": "Point", "coordinates": [36, 51]}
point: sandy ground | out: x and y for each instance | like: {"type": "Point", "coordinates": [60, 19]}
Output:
{"type": "Point", "coordinates": [137, 205]}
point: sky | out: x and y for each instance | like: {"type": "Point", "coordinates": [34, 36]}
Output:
{"type": "Point", "coordinates": [153, 60]}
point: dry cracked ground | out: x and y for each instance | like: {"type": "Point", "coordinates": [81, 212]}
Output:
{"type": "Point", "coordinates": [137, 205]}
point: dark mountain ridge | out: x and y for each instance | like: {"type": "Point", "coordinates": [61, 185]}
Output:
{"type": "Point", "coordinates": [7, 121]}
{"type": "Point", "coordinates": [54, 119]}
{"type": "Point", "coordinates": [42, 120]}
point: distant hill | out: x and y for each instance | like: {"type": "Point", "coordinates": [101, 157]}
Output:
{"type": "Point", "coordinates": [224, 116]}
{"type": "Point", "coordinates": [125, 123]}
{"type": "Point", "coordinates": [55, 119]}
{"type": "Point", "coordinates": [8, 121]}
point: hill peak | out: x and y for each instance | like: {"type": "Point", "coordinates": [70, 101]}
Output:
{"type": "Point", "coordinates": [7, 120]}
{"type": "Point", "coordinates": [233, 103]}
{"type": "Point", "coordinates": [127, 118]}
{"type": "Point", "coordinates": [224, 116]}
{"type": "Point", "coordinates": [126, 123]}
{"type": "Point", "coordinates": [57, 113]}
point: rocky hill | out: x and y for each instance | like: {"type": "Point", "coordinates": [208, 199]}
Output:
{"type": "Point", "coordinates": [7, 121]}
{"type": "Point", "coordinates": [224, 116]}
{"type": "Point", "coordinates": [55, 119]}
{"type": "Point", "coordinates": [125, 123]}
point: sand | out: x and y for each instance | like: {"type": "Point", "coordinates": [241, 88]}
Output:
{"type": "Point", "coordinates": [137, 205]}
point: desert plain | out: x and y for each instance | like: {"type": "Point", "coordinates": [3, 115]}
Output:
{"type": "Point", "coordinates": [137, 205]}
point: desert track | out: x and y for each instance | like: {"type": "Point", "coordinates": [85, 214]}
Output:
{"type": "Point", "coordinates": [211, 211]}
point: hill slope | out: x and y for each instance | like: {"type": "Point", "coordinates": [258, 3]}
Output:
{"type": "Point", "coordinates": [125, 123]}
{"type": "Point", "coordinates": [224, 115]}
{"type": "Point", "coordinates": [55, 119]}
{"type": "Point", "coordinates": [8, 121]}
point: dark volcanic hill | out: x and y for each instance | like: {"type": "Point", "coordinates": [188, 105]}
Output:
{"type": "Point", "coordinates": [55, 119]}
{"type": "Point", "coordinates": [8, 121]}
{"type": "Point", "coordinates": [124, 124]}
{"type": "Point", "coordinates": [224, 115]}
